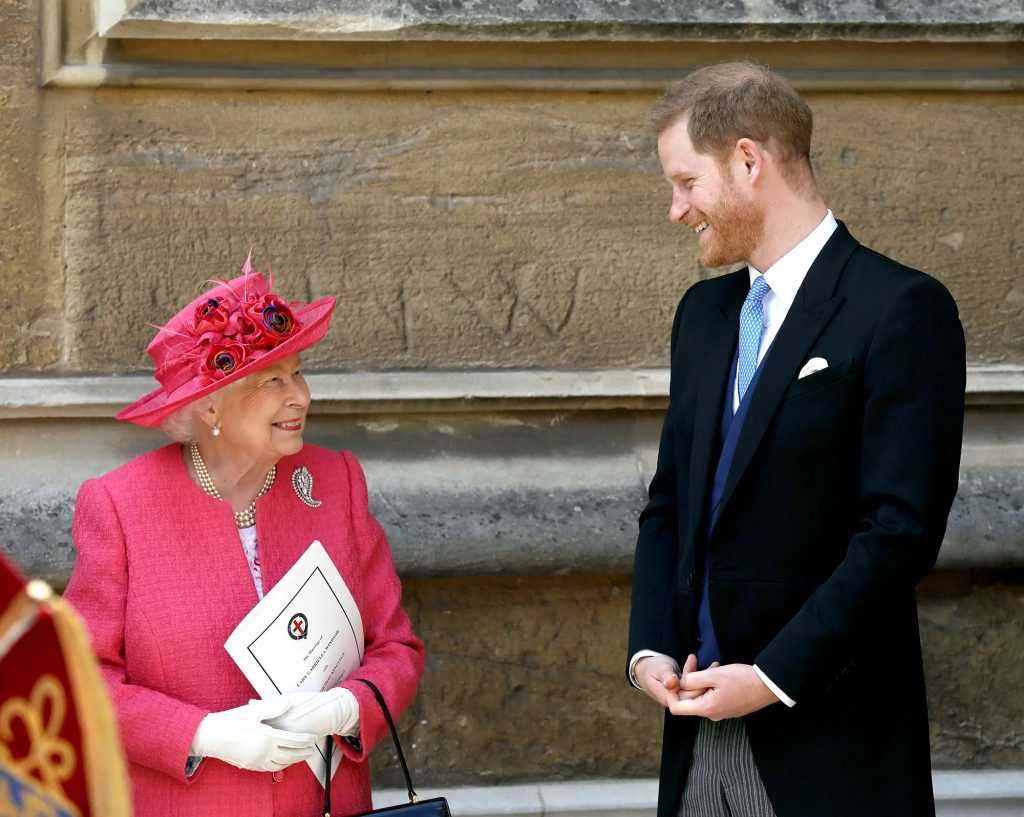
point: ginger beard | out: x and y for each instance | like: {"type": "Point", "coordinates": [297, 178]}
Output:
{"type": "Point", "coordinates": [736, 227]}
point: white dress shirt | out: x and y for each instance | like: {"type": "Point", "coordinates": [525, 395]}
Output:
{"type": "Point", "coordinates": [784, 277]}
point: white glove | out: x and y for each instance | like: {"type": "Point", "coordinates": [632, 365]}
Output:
{"type": "Point", "coordinates": [334, 712]}
{"type": "Point", "coordinates": [240, 737]}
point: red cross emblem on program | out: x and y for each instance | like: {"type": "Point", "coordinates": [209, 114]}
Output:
{"type": "Point", "coordinates": [298, 626]}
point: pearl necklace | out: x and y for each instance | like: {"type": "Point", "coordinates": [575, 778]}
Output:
{"type": "Point", "coordinates": [245, 518]}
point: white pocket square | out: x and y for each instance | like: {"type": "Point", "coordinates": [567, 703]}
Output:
{"type": "Point", "coordinates": [815, 364]}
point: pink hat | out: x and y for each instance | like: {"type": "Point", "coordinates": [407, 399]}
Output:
{"type": "Point", "coordinates": [227, 333]}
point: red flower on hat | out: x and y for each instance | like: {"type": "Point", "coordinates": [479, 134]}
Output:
{"type": "Point", "coordinates": [245, 333]}
{"type": "Point", "coordinates": [223, 357]}
{"type": "Point", "coordinates": [216, 318]}
{"type": "Point", "coordinates": [271, 318]}
{"type": "Point", "coordinates": [211, 315]}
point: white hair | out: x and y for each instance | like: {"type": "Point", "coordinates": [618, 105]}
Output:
{"type": "Point", "coordinates": [183, 426]}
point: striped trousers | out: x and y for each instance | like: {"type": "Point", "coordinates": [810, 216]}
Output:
{"type": "Point", "coordinates": [723, 780]}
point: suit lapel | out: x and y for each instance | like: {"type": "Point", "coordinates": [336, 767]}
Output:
{"type": "Point", "coordinates": [813, 308]}
{"type": "Point", "coordinates": [715, 356]}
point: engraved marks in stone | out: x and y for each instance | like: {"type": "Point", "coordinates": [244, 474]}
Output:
{"type": "Point", "coordinates": [508, 302]}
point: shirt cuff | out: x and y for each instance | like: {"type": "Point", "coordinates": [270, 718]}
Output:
{"type": "Point", "coordinates": [782, 696]}
{"type": "Point", "coordinates": [645, 654]}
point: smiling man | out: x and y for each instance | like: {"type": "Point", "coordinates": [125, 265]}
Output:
{"type": "Point", "coordinates": [808, 461]}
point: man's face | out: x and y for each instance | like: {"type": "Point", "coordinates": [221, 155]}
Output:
{"type": "Point", "coordinates": [706, 197]}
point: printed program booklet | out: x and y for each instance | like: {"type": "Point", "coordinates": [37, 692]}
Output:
{"type": "Point", "coordinates": [306, 635]}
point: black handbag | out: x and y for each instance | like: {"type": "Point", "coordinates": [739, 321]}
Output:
{"type": "Point", "coordinates": [434, 807]}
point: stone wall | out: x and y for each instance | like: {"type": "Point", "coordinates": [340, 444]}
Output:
{"type": "Point", "coordinates": [457, 230]}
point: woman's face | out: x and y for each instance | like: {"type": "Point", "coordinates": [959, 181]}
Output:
{"type": "Point", "coordinates": [262, 417]}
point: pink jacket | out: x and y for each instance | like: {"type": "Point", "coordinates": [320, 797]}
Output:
{"type": "Point", "coordinates": [161, 581]}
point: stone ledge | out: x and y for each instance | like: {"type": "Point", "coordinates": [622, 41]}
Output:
{"type": "Point", "coordinates": [360, 392]}
{"type": "Point", "coordinates": [554, 19]}
{"type": "Point", "coordinates": [957, 794]}
{"type": "Point", "coordinates": [413, 46]}
{"type": "Point", "coordinates": [501, 494]}
{"type": "Point", "coordinates": [408, 392]}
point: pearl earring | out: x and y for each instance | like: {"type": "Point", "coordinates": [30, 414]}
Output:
{"type": "Point", "coordinates": [216, 430]}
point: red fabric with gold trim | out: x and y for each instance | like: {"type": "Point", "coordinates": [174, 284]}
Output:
{"type": "Point", "coordinates": [58, 754]}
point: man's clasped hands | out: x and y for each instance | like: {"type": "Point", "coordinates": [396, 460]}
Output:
{"type": "Point", "coordinates": [716, 693]}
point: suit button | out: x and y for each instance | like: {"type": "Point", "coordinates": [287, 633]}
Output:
{"type": "Point", "coordinates": [691, 580]}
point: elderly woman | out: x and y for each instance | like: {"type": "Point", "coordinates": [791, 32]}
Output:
{"type": "Point", "coordinates": [178, 545]}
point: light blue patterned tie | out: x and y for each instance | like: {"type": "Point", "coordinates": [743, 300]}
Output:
{"type": "Point", "coordinates": [751, 329]}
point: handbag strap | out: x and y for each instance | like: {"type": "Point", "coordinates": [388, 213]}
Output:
{"type": "Point", "coordinates": [413, 798]}
{"type": "Point", "coordinates": [327, 776]}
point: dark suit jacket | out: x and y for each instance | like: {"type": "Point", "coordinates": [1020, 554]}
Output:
{"type": "Point", "coordinates": [834, 508]}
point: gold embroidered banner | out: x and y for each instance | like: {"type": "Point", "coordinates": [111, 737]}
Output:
{"type": "Point", "coordinates": [60, 755]}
